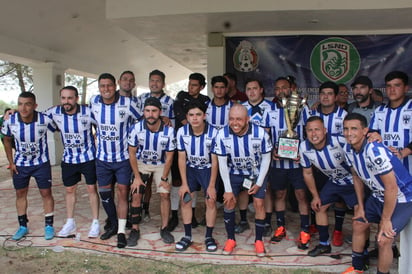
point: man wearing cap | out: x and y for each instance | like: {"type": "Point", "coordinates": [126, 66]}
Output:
{"type": "Point", "coordinates": [151, 148]}
{"type": "Point", "coordinates": [362, 89]}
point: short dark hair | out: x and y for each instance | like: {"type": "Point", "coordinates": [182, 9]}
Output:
{"type": "Point", "coordinates": [357, 116]}
{"type": "Point", "coordinates": [343, 86]}
{"type": "Point", "coordinates": [199, 77]}
{"type": "Point", "coordinates": [76, 92]}
{"type": "Point", "coordinates": [255, 80]}
{"type": "Point", "coordinates": [231, 76]}
{"type": "Point", "coordinates": [126, 72]}
{"type": "Point", "coordinates": [282, 78]}
{"type": "Point", "coordinates": [195, 104]}
{"type": "Point", "coordinates": [314, 118]}
{"type": "Point", "coordinates": [107, 76]}
{"type": "Point", "coordinates": [329, 84]}
{"type": "Point", "coordinates": [397, 75]}
{"type": "Point", "coordinates": [219, 79]}
{"type": "Point", "coordinates": [158, 73]}
{"type": "Point", "coordinates": [378, 92]}
{"type": "Point", "coordinates": [27, 94]}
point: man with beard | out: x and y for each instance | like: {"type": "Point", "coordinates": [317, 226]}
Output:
{"type": "Point", "coordinates": [362, 89]}
{"type": "Point", "coordinates": [75, 124]}
{"type": "Point", "coordinates": [151, 148]}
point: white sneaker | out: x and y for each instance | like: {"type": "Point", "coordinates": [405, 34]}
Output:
{"type": "Point", "coordinates": [67, 230]}
{"type": "Point", "coordinates": [94, 230]}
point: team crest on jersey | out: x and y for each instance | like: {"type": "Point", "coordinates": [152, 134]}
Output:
{"type": "Point", "coordinates": [122, 113]}
{"type": "Point", "coordinates": [84, 122]}
{"type": "Point", "coordinates": [41, 131]}
{"type": "Point", "coordinates": [406, 119]}
{"type": "Point", "coordinates": [245, 58]}
{"type": "Point", "coordinates": [256, 147]}
{"type": "Point", "coordinates": [338, 156]}
{"type": "Point", "coordinates": [338, 126]}
{"type": "Point", "coordinates": [334, 59]}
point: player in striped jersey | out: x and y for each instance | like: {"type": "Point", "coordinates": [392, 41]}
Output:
{"type": "Point", "coordinates": [151, 147]}
{"type": "Point", "coordinates": [217, 113]}
{"type": "Point", "coordinates": [257, 107]}
{"type": "Point", "coordinates": [114, 115]}
{"type": "Point", "coordinates": [285, 172]}
{"type": "Point", "coordinates": [243, 151]}
{"type": "Point", "coordinates": [29, 129]}
{"type": "Point", "coordinates": [390, 202]}
{"type": "Point", "coordinates": [156, 85]}
{"type": "Point", "coordinates": [325, 152]}
{"type": "Point", "coordinates": [197, 170]}
{"type": "Point", "coordinates": [394, 120]}
{"type": "Point", "coordinates": [75, 123]}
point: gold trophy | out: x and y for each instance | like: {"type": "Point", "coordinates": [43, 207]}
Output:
{"type": "Point", "coordinates": [288, 145]}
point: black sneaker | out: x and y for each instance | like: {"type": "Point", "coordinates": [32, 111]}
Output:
{"type": "Point", "coordinates": [320, 249]}
{"type": "Point", "coordinates": [121, 240]}
{"type": "Point", "coordinates": [167, 237]}
{"type": "Point", "coordinates": [241, 227]}
{"type": "Point", "coordinates": [133, 237]}
{"type": "Point", "coordinates": [109, 233]}
{"type": "Point", "coordinates": [172, 224]}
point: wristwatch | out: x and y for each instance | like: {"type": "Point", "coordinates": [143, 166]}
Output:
{"type": "Point", "coordinates": [164, 179]}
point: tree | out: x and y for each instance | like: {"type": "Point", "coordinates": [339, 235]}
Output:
{"type": "Point", "coordinates": [81, 83]}
{"type": "Point", "coordinates": [10, 73]}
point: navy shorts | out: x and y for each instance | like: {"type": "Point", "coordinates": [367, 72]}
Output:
{"type": "Point", "coordinates": [400, 216]}
{"type": "Point", "coordinates": [71, 173]}
{"type": "Point", "coordinates": [119, 172]}
{"type": "Point", "coordinates": [332, 193]}
{"type": "Point", "coordinates": [280, 178]}
{"type": "Point", "coordinates": [198, 178]}
{"type": "Point", "coordinates": [236, 181]}
{"type": "Point", "coordinates": [41, 173]}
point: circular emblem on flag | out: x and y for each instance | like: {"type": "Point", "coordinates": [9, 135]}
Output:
{"type": "Point", "coordinates": [245, 58]}
{"type": "Point", "coordinates": [334, 59]}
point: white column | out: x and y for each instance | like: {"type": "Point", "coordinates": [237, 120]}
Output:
{"type": "Point", "coordinates": [405, 259]}
{"type": "Point", "coordinates": [48, 79]}
{"type": "Point", "coordinates": [215, 58]}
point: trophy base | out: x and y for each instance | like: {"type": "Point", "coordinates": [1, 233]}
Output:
{"type": "Point", "coordinates": [288, 148]}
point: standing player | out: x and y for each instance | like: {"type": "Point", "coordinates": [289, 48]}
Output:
{"type": "Point", "coordinates": [243, 151]}
{"type": "Point", "coordinates": [75, 123]}
{"type": "Point", "coordinates": [151, 149]}
{"type": "Point", "coordinates": [31, 159]}
{"type": "Point", "coordinates": [390, 202]}
{"type": "Point", "coordinates": [285, 172]}
{"type": "Point", "coordinates": [197, 170]}
{"type": "Point", "coordinates": [235, 95]}
{"type": "Point", "coordinates": [325, 152]}
{"type": "Point", "coordinates": [217, 113]}
{"type": "Point", "coordinates": [114, 115]}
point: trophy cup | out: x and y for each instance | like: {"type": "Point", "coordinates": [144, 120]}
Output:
{"type": "Point", "coordinates": [288, 145]}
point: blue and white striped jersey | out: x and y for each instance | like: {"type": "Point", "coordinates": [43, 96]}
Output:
{"type": "Point", "coordinates": [198, 148]}
{"type": "Point", "coordinates": [218, 116]}
{"type": "Point", "coordinates": [244, 152]}
{"type": "Point", "coordinates": [152, 146]}
{"type": "Point", "coordinates": [332, 121]}
{"type": "Point", "coordinates": [166, 101]}
{"type": "Point", "coordinates": [330, 160]}
{"type": "Point", "coordinates": [395, 127]}
{"type": "Point", "coordinates": [113, 123]}
{"type": "Point", "coordinates": [373, 160]}
{"type": "Point", "coordinates": [258, 113]}
{"type": "Point", "coordinates": [76, 133]}
{"type": "Point", "coordinates": [30, 138]}
{"type": "Point", "coordinates": [276, 120]}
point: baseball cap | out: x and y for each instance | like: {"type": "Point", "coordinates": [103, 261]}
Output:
{"type": "Point", "coordinates": [363, 80]}
{"type": "Point", "coordinates": [153, 101]}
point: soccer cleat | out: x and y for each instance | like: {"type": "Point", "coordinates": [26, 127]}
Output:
{"type": "Point", "coordinates": [279, 234]}
{"type": "Point", "coordinates": [304, 240]}
{"type": "Point", "coordinates": [320, 249]}
{"type": "Point", "coordinates": [337, 238]}
{"type": "Point", "coordinates": [48, 232]}
{"type": "Point", "coordinates": [229, 246]}
{"type": "Point", "coordinates": [69, 229]}
{"type": "Point", "coordinates": [260, 248]}
{"type": "Point", "coordinates": [352, 270]}
{"type": "Point", "coordinates": [241, 227]}
{"type": "Point", "coordinates": [94, 230]}
{"type": "Point", "coordinates": [20, 233]}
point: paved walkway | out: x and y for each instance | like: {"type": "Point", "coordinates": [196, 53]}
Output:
{"type": "Point", "coordinates": [284, 254]}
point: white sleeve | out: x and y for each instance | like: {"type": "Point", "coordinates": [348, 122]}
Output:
{"type": "Point", "coordinates": [264, 167]}
{"type": "Point", "coordinates": [224, 173]}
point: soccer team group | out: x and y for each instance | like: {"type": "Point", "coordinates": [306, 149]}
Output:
{"type": "Point", "coordinates": [353, 156]}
